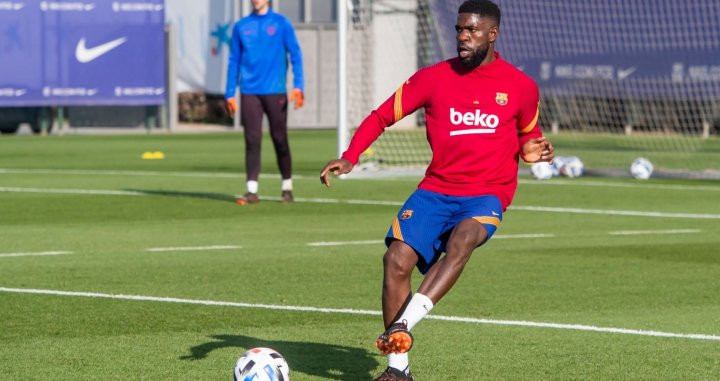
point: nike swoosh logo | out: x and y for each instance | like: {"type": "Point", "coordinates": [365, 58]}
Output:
{"type": "Point", "coordinates": [494, 214]}
{"type": "Point", "coordinates": [624, 73]}
{"type": "Point", "coordinates": [85, 55]}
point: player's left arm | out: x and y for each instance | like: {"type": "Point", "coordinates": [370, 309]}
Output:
{"type": "Point", "coordinates": [293, 47]}
{"type": "Point", "coordinates": [233, 70]}
{"type": "Point", "coordinates": [534, 146]}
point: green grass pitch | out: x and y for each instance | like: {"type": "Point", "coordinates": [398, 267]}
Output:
{"type": "Point", "coordinates": [642, 258]}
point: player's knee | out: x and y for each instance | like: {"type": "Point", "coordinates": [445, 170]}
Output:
{"type": "Point", "coordinates": [399, 262]}
{"type": "Point", "coordinates": [282, 147]}
{"type": "Point", "coordinates": [252, 148]}
{"type": "Point", "coordinates": [253, 142]}
{"type": "Point", "coordinates": [471, 233]}
{"type": "Point", "coordinates": [464, 239]}
{"type": "Point", "coordinates": [459, 252]}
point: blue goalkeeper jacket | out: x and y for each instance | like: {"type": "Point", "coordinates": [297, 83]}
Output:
{"type": "Point", "coordinates": [259, 55]}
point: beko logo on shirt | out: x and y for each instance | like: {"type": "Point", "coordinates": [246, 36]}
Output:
{"type": "Point", "coordinates": [477, 119]}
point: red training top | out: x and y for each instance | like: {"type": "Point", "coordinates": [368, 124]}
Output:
{"type": "Point", "coordinates": [477, 120]}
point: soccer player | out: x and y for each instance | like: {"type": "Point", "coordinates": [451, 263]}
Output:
{"type": "Point", "coordinates": [259, 52]}
{"type": "Point", "coordinates": [482, 116]}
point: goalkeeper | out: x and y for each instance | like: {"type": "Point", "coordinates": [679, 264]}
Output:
{"type": "Point", "coordinates": [261, 43]}
{"type": "Point", "coordinates": [482, 116]}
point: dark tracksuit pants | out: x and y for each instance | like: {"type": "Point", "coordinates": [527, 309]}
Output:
{"type": "Point", "coordinates": [275, 106]}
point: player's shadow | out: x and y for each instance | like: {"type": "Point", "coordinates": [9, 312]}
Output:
{"type": "Point", "coordinates": [206, 195]}
{"type": "Point", "coordinates": [322, 360]}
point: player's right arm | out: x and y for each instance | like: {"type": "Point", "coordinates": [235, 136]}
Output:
{"type": "Point", "coordinates": [409, 97]}
{"type": "Point", "coordinates": [232, 71]}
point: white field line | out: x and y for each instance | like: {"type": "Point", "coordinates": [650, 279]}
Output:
{"type": "Point", "coordinates": [576, 327]}
{"type": "Point", "coordinates": [343, 243]}
{"type": "Point", "coordinates": [591, 183]}
{"type": "Point", "coordinates": [194, 248]}
{"type": "Point", "coordinates": [646, 232]}
{"type": "Point", "coordinates": [336, 201]}
{"type": "Point", "coordinates": [110, 192]}
{"type": "Point", "coordinates": [93, 172]}
{"type": "Point", "coordinates": [610, 212]}
{"type": "Point", "coordinates": [521, 207]}
{"type": "Point", "coordinates": [376, 241]}
{"type": "Point", "coordinates": [511, 236]}
{"type": "Point", "coordinates": [40, 254]}
{"type": "Point", "coordinates": [101, 192]}
{"type": "Point", "coordinates": [577, 182]}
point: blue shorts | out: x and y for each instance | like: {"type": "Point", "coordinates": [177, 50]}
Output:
{"type": "Point", "coordinates": [427, 219]}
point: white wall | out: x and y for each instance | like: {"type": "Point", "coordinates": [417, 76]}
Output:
{"type": "Point", "coordinates": [197, 67]}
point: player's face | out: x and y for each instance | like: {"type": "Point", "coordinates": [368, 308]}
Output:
{"type": "Point", "coordinates": [474, 35]}
{"type": "Point", "coordinates": [259, 5]}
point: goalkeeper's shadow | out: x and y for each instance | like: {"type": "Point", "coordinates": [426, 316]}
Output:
{"type": "Point", "coordinates": [205, 195]}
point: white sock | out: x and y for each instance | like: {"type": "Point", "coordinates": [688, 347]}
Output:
{"type": "Point", "coordinates": [287, 184]}
{"type": "Point", "coordinates": [416, 310]}
{"type": "Point", "coordinates": [252, 186]}
{"type": "Point", "coordinates": [398, 361]}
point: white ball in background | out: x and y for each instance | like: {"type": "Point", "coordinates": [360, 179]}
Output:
{"type": "Point", "coordinates": [641, 168]}
{"type": "Point", "coordinates": [542, 170]}
{"type": "Point", "coordinates": [572, 167]}
{"type": "Point", "coordinates": [557, 163]}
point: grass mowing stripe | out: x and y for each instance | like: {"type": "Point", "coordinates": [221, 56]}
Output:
{"type": "Point", "coordinates": [336, 201]}
{"type": "Point", "coordinates": [644, 232]}
{"type": "Point", "coordinates": [511, 236]}
{"type": "Point", "coordinates": [194, 248]}
{"type": "Point", "coordinates": [577, 327]}
{"type": "Point", "coordinates": [591, 183]}
{"type": "Point", "coordinates": [93, 172]}
{"type": "Point", "coordinates": [524, 208]}
{"type": "Point", "coordinates": [343, 243]}
{"type": "Point", "coordinates": [372, 242]}
{"type": "Point", "coordinates": [42, 253]}
{"type": "Point", "coordinates": [103, 192]}
{"type": "Point", "coordinates": [96, 172]}
{"type": "Point", "coordinates": [634, 213]}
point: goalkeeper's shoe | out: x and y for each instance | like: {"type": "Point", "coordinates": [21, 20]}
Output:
{"type": "Point", "coordinates": [248, 198]}
{"type": "Point", "coordinates": [396, 339]}
{"type": "Point", "coordinates": [392, 374]}
{"type": "Point", "coordinates": [287, 196]}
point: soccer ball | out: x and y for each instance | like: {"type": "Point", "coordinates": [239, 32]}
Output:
{"type": "Point", "coordinates": [261, 364]}
{"type": "Point", "coordinates": [641, 168]}
{"type": "Point", "coordinates": [572, 167]}
{"type": "Point", "coordinates": [541, 170]}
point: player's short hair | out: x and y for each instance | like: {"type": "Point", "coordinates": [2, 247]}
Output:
{"type": "Point", "coordinates": [483, 8]}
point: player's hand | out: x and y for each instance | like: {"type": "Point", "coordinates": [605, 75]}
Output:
{"type": "Point", "coordinates": [231, 107]}
{"type": "Point", "coordinates": [297, 96]}
{"type": "Point", "coordinates": [537, 149]}
{"type": "Point", "coordinates": [337, 167]}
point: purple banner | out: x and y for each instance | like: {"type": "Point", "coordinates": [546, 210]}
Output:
{"type": "Point", "coordinates": [607, 48]}
{"type": "Point", "coordinates": [92, 52]}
